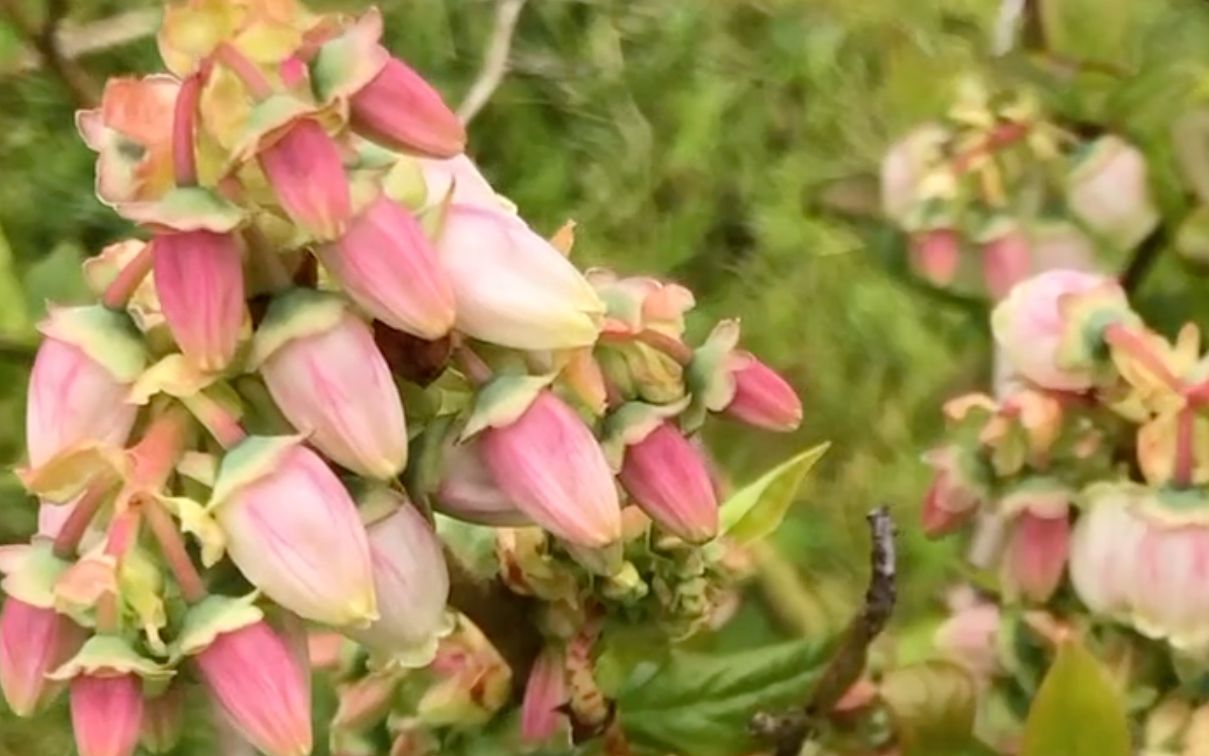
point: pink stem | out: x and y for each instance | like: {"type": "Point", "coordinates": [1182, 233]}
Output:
{"type": "Point", "coordinates": [247, 71]}
{"type": "Point", "coordinates": [1121, 337]}
{"type": "Point", "coordinates": [184, 125]}
{"type": "Point", "coordinates": [217, 419]}
{"type": "Point", "coordinates": [472, 365]}
{"type": "Point", "coordinates": [107, 614]}
{"type": "Point", "coordinates": [77, 522]}
{"type": "Point", "coordinates": [173, 548]}
{"type": "Point", "coordinates": [672, 347]}
{"type": "Point", "coordinates": [156, 453]}
{"type": "Point", "coordinates": [119, 291]}
{"type": "Point", "coordinates": [1183, 448]}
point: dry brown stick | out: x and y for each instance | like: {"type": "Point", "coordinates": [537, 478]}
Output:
{"type": "Point", "coordinates": [495, 59]}
{"type": "Point", "coordinates": [44, 39]}
{"type": "Point", "coordinates": [788, 731]}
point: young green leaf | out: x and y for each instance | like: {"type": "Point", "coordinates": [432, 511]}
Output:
{"type": "Point", "coordinates": [1077, 711]}
{"type": "Point", "coordinates": [757, 509]}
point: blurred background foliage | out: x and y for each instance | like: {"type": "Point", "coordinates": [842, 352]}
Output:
{"type": "Point", "coordinates": [716, 143]}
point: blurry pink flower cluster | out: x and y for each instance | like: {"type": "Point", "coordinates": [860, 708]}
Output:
{"type": "Point", "coordinates": [248, 432]}
{"type": "Point", "coordinates": [994, 193]}
{"type": "Point", "coordinates": [1092, 461]}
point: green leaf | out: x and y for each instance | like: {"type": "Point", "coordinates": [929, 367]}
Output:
{"type": "Point", "coordinates": [933, 706]}
{"type": "Point", "coordinates": [56, 277]}
{"type": "Point", "coordinates": [756, 510]}
{"type": "Point", "coordinates": [702, 703]}
{"type": "Point", "coordinates": [1086, 30]}
{"type": "Point", "coordinates": [1077, 711]}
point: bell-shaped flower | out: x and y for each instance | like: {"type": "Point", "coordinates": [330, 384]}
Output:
{"type": "Point", "coordinates": [762, 397]}
{"type": "Point", "coordinates": [468, 491]}
{"type": "Point", "coordinates": [1007, 259]}
{"type": "Point", "coordinates": [969, 638]}
{"type": "Point", "coordinates": [1049, 324]}
{"type": "Point", "coordinates": [331, 382]}
{"type": "Point", "coordinates": [935, 255]}
{"type": "Point", "coordinates": [548, 462]}
{"type": "Point", "coordinates": [386, 264]}
{"type": "Point", "coordinates": [304, 167]}
{"type": "Point", "coordinates": [199, 279]}
{"type": "Point", "coordinates": [1109, 190]}
{"type": "Point", "coordinates": [260, 687]}
{"type": "Point", "coordinates": [293, 530]}
{"type": "Point", "coordinates": [956, 492]}
{"type": "Point", "coordinates": [668, 478]}
{"type": "Point", "coordinates": [410, 579]}
{"type": "Point", "coordinates": [1139, 556]}
{"type": "Point", "coordinates": [399, 110]}
{"type": "Point", "coordinates": [545, 696]}
{"type": "Point", "coordinates": [33, 642]}
{"type": "Point", "coordinates": [512, 287]}
{"type": "Point", "coordinates": [106, 713]}
{"type": "Point", "coordinates": [80, 380]}
{"type": "Point", "coordinates": [1039, 542]}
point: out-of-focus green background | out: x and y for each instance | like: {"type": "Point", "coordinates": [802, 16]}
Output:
{"type": "Point", "coordinates": [697, 140]}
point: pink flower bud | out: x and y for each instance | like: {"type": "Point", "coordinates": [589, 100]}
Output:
{"type": "Point", "coordinates": [386, 264]}
{"type": "Point", "coordinates": [512, 287]}
{"type": "Point", "coordinates": [335, 386]}
{"type": "Point", "coordinates": [33, 641]}
{"type": "Point", "coordinates": [468, 491]}
{"type": "Point", "coordinates": [199, 279]}
{"type": "Point", "coordinates": [164, 719]}
{"type": "Point", "coordinates": [762, 397]}
{"type": "Point", "coordinates": [936, 255]}
{"type": "Point", "coordinates": [669, 480]}
{"type": "Point", "coordinates": [549, 463]}
{"type": "Point", "coordinates": [545, 693]}
{"type": "Point", "coordinates": [954, 495]}
{"type": "Point", "coordinates": [261, 688]}
{"type": "Point", "coordinates": [73, 398]}
{"type": "Point", "coordinates": [307, 174]}
{"type": "Point", "coordinates": [1006, 261]}
{"type": "Point", "coordinates": [410, 580]}
{"type": "Point", "coordinates": [402, 111]}
{"type": "Point", "coordinates": [1030, 326]}
{"type": "Point", "coordinates": [311, 556]}
{"type": "Point", "coordinates": [106, 714]}
{"type": "Point", "coordinates": [1109, 191]}
{"type": "Point", "coordinates": [969, 637]}
{"type": "Point", "coordinates": [1036, 555]}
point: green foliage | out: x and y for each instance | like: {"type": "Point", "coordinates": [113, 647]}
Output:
{"type": "Point", "coordinates": [702, 703]}
{"type": "Point", "coordinates": [1077, 711]}
{"type": "Point", "coordinates": [756, 510]}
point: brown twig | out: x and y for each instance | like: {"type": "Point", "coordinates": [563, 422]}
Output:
{"type": "Point", "coordinates": [44, 39]}
{"type": "Point", "coordinates": [788, 731]}
{"type": "Point", "coordinates": [495, 59]}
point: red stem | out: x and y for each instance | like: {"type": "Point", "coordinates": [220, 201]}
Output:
{"type": "Point", "coordinates": [157, 452]}
{"type": "Point", "coordinates": [119, 291]}
{"type": "Point", "coordinates": [218, 419]}
{"type": "Point", "coordinates": [247, 71]}
{"type": "Point", "coordinates": [173, 548]}
{"type": "Point", "coordinates": [1003, 136]}
{"type": "Point", "coordinates": [184, 125]}
{"type": "Point", "coordinates": [1183, 448]}
{"type": "Point", "coordinates": [77, 522]}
